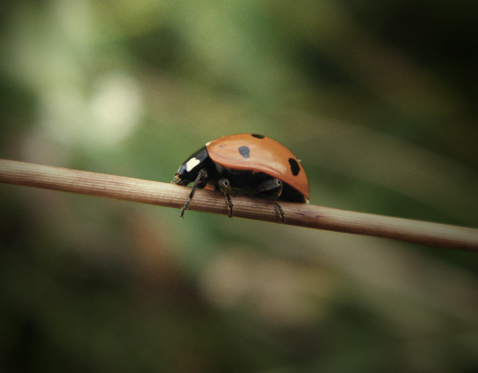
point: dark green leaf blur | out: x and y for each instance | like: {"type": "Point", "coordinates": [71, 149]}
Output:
{"type": "Point", "coordinates": [378, 99]}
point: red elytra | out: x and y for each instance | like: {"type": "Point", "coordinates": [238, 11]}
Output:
{"type": "Point", "coordinates": [265, 155]}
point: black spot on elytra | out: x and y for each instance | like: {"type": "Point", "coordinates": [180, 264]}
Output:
{"type": "Point", "coordinates": [244, 151]}
{"type": "Point", "coordinates": [294, 166]}
{"type": "Point", "coordinates": [257, 136]}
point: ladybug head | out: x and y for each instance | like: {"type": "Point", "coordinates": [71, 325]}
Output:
{"type": "Point", "coordinates": [189, 170]}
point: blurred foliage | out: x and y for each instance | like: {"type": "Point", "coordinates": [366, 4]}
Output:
{"type": "Point", "coordinates": [379, 101]}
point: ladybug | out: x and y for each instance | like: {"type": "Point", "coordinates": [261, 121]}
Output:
{"type": "Point", "coordinates": [247, 164]}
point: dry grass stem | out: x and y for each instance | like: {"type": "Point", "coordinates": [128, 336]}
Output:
{"type": "Point", "coordinates": [165, 194]}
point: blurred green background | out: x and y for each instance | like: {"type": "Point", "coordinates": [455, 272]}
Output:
{"type": "Point", "coordinates": [377, 98]}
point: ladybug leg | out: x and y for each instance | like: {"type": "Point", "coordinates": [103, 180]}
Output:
{"type": "Point", "coordinates": [200, 182]}
{"type": "Point", "coordinates": [280, 211]}
{"type": "Point", "coordinates": [225, 186]}
{"type": "Point", "coordinates": [274, 186]}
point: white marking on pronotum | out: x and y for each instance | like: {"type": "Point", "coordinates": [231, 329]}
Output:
{"type": "Point", "coordinates": [193, 162]}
